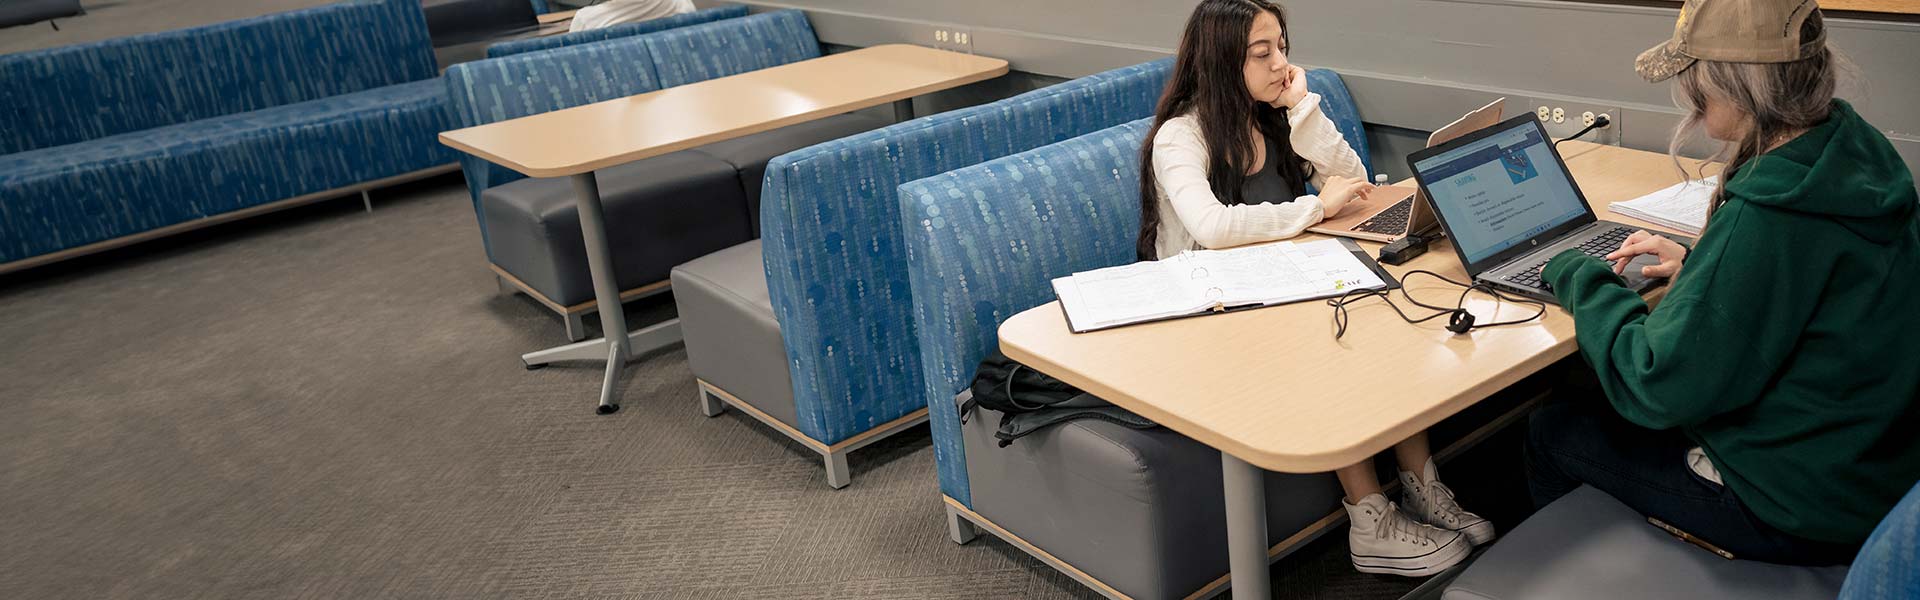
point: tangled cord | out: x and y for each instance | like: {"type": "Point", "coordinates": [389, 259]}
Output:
{"type": "Point", "coordinates": [1458, 319]}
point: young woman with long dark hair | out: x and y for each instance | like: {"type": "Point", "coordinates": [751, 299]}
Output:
{"type": "Point", "coordinates": [1236, 138]}
{"type": "Point", "coordinates": [1769, 404]}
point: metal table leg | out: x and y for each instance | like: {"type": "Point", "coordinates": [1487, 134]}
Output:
{"type": "Point", "coordinates": [903, 110]}
{"type": "Point", "coordinates": [616, 349]}
{"type": "Point", "coordinates": [1246, 493]}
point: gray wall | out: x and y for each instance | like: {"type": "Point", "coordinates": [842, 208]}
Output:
{"type": "Point", "coordinates": [1413, 65]}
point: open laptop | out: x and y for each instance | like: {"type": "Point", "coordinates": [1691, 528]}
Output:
{"type": "Point", "coordinates": [1392, 212]}
{"type": "Point", "coordinates": [1508, 203]}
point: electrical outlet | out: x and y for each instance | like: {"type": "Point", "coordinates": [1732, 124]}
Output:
{"type": "Point", "coordinates": [1563, 117]}
{"type": "Point", "coordinates": [940, 37]}
{"type": "Point", "coordinates": [963, 41]}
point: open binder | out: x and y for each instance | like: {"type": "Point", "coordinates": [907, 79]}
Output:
{"type": "Point", "coordinates": [1202, 282]}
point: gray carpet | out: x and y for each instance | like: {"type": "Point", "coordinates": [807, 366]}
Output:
{"type": "Point", "coordinates": [327, 404]}
{"type": "Point", "coordinates": [322, 403]}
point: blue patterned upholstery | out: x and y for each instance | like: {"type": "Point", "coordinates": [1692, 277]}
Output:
{"type": "Point", "coordinates": [697, 53]}
{"type": "Point", "coordinates": [82, 92]}
{"type": "Point", "coordinates": [836, 268]}
{"type": "Point", "coordinates": [498, 89]}
{"type": "Point", "coordinates": [1338, 105]}
{"type": "Point", "coordinates": [67, 196]}
{"type": "Point", "coordinates": [1888, 566]}
{"type": "Point", "coordinates": [983, 243]}
{"type": "Point", "coordinates": [529, 83]}
{"type": "Point", "coordinates": [540, 7]}
{"type": "Point", "coordinates": [129, 135]}
{"type": "Point", "coordinates": [508, 48]}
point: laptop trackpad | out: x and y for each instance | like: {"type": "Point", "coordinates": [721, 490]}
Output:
{"type": "Point", "coordinates": [1636, 281]}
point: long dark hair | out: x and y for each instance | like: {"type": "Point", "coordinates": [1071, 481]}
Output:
{"type": "Point", "coordinates": [1208, 81]}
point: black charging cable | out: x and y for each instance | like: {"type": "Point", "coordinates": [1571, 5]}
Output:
{"type": "Point", "coordinates": [1598, 122]}
{"type": "Point", "coordinates": [1459, 321]}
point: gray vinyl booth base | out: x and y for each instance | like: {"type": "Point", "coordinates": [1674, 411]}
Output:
{"type": "Point", "coordinates": [660, 211]}
{"type": "Point", "coordinates": [1587, 545]}
{"type": "Point", "coordinates": [1147, 516]}
{"type": "Point", "coordinates": [740, 353]}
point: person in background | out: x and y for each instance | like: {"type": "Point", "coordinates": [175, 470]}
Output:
{"type": "Point", "coordinates": [615, 12]}
{"type": "Point", "coordinates": [1236, 138]}
{"type": "Point", "coordinates": [1769, 405]}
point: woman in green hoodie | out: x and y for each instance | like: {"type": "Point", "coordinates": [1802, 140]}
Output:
{"type": "Point", "coordinates": [1768, 405]}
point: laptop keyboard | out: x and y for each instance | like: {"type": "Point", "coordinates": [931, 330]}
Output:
{"type": "Point", "coordinates": [1598, 247]}
{"type": "Point", "coordinates": [1392, 221]}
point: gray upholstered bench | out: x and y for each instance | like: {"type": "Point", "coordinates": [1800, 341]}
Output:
{"type": "Point", "coordinates": [661, 212]}
{"type": "Point", "coordinates": [1137, 510]}
{"type": "Point", "coordinates": [1586, 545]}
{"type": "Point", "coordinates": [726, 293]}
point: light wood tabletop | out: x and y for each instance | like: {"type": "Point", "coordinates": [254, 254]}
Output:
{"type": "Point", "coordinates": [1272, 386]}
{"type": "Point", "coordinates": [595, 136]}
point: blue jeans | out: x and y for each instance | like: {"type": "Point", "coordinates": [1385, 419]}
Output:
{"type": "Point", "coordinates": [1582, 440]}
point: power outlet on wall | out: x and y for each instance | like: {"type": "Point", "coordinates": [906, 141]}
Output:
{"type": "Point", "coordinates": [1563, 118]}
{"type": "Point", "coordinates": [953, 38]}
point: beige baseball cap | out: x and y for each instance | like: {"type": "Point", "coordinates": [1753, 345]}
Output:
{"type": "Point", "coordinates": [1743, 31]}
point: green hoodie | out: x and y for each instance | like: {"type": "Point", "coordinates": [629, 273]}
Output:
{"type": "Point", "coordinates": [1788, 346]}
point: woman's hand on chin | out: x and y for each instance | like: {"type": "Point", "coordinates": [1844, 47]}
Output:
{"type": "Point", "coordinates": [1293, 90]}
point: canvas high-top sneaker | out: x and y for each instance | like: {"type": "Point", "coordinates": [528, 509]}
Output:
{"type": "Point", "coordinates": [1432, 503]}
{"type": "Point", "coordinates": [1385, 540]}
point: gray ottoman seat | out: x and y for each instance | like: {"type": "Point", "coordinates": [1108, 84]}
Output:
{"type": "Point", "coordinates": [751, 154]}
{"type": "Point", "coordinates": [725, 294]}
{"type": "Point", "coordinates": [661, 212]}
{"type": "Point", "coordinates": [1139, 510]}
{"type": "Point", "coordinates": [1586, 545]}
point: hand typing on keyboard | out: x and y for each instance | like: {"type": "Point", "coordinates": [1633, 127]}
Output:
{"type": "Point", "coordinates": [1641, 242]}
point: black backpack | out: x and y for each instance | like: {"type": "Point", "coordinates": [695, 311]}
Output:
{"type": "Point", "coordinates": [1029, 400]}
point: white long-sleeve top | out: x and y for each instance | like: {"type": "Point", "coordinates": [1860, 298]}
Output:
{"type": "Point", "coordinates": [1191, 217]}
{"type": "Point", "coordinates": [615, 12]}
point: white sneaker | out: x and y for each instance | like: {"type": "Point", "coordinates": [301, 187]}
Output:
{"type": "Point", "coordinates": [1386, 541]}
{"type": "Point", "coordinates": [1432, 503]}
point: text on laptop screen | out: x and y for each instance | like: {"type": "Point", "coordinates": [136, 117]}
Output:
{"type": "Point", "coordinates": [1500, 191]}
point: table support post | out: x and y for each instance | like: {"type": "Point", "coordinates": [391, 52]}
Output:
{"type": "Point", "coordinates": [1246, 495]}
{"type": "Point", "coordinates": [606, 289]}
{"type": "Point", "coordinates": [903, 110]}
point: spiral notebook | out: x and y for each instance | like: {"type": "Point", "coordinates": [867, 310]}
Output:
{"type": "Point", "coordinates": [1202, 282]}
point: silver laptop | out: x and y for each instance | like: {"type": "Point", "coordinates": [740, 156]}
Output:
{"type": "Point", "coordinates": [1508, 203]}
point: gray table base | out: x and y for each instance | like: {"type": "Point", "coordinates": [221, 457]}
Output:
{"type": "Point", "coordinates": [1246, 494]}
{"type": "Point", "coordinates": [615, 349]}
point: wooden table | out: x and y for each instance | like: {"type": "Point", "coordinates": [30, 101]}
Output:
{"type": "Point", "coordinates": [1272, 389]}
{"type": "Point", "coordinates": [576, 141]}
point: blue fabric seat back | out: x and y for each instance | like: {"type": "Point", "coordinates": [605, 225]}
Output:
{"type": "Point", "coordinates": [700, 52]}
{"type": "Point", "coordinates": [529, 83]}
{"type": "Point", "coordinates": [540, 7]}
{"type": "Point", "coordinates": [486, 91]}
{"type": "Point", "coordinates": [76, 93]}
{"type": "Point", "coordinates": [1888, 565]}
{"type": "Point", "coordinates": [984, 242]}
{"type": "Point", "coordinates": [1339, 107]}
{"type": "Point", "coordinates": [508, 48]}
{"type": "Point", "coordinates": [830, 224]}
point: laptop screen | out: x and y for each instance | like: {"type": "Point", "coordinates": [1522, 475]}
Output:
{"type": "Point", "coordinates": [1501, 190]}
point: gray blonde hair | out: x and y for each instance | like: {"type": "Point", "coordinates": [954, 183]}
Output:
{"type": "Point", "coordinates": [1777, 99]}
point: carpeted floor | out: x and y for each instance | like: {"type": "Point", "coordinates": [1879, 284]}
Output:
{"type": "Point", "coordinates": [322, 403]}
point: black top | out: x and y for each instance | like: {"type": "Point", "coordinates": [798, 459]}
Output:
{"type": "Point", "coordinates": [1266, 186]}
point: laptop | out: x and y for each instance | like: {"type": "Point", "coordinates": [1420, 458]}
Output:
{"type": "Point", "coordinates": [1508, 203]}
{"type": "Point", "coordinates": [1392, 212]}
